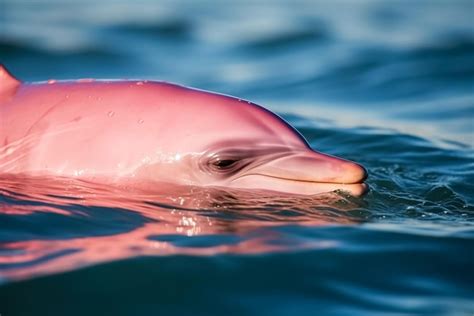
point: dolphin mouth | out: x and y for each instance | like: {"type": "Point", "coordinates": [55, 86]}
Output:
{"type": "Point", "coordinates": [296, 186]}
{"type": "Point", "coordinates": [307, 173]}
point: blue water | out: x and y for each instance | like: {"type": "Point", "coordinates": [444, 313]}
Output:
{"type": "Point", "coordinates": [387, 84]}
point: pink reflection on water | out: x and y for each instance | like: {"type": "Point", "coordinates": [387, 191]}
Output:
{"type": "Point", "coordinates": [171, 221]}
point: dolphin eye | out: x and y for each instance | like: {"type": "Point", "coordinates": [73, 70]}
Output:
{"type": "Point", "coordinates": [228, 162]}
{"type": "Point", "coordinates": [224, 164]}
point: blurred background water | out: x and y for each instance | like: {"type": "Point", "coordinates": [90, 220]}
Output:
{"type": "Point", "coordinates": [388, 84]}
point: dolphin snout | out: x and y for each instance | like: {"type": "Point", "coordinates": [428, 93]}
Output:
{"type": "Point", "coordinates": [313, 166]}
{"type": "Point", "coordinates": [352, 173]}
{"type": "Point", "coordinates": [330, 169]}
{"type": "Point", "coordinates": [309, 172]}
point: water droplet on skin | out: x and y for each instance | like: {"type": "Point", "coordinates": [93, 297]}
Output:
{"type": "Point", "coordinates": [139, 83]}
{"type": "Point", "coordinates": [111, 113]}
{"type": "Point", "coordinates": [51, 81]}
{"type": "Point", "coordinates": [67, 96]}
{"type": "Point", "coordinates": [140, 121]}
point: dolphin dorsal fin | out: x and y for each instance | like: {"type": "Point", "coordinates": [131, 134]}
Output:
{"type": "Point", "coordinates": [8, 83]}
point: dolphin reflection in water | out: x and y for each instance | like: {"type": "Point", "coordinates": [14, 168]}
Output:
{"type": "Point", "coordinates": [80, 223]}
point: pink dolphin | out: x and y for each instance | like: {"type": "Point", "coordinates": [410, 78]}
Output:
{"type": "Point", "coordinates": [147, 131]}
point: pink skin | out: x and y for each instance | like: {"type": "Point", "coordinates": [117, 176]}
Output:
{"type": "Point", "coordinates": [156, 131]}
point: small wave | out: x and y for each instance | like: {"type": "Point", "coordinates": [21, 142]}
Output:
{"type": "Point", "coordinates": [15, 48]}
{"type": "Point", "coordinates": [287, 40]}
{"type": "Point", "coordinates": [177, 28]}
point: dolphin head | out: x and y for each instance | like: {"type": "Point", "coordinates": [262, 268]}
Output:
{"type": "Point", "coordinates": [225, 141]}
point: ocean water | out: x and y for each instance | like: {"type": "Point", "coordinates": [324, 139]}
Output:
{"type": "Point", "coordinates": [387, 84]}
